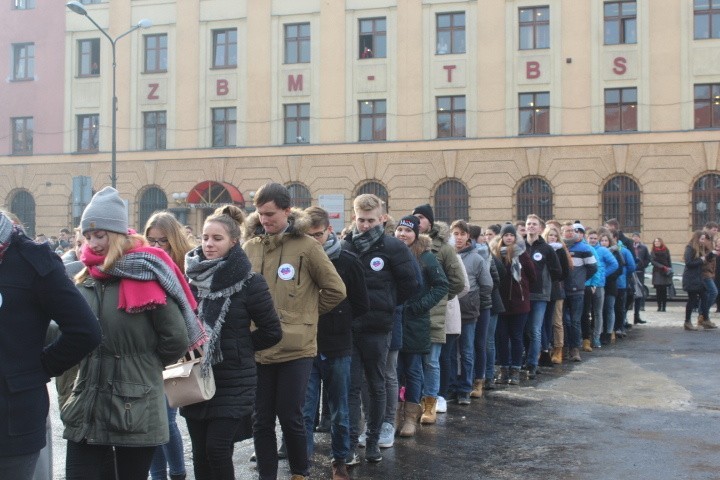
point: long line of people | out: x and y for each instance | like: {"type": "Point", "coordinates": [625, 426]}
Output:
{"type": "Point", "coordinates": [390, 320]}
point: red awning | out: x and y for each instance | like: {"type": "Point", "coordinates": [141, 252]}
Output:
{"type": "Point", "coordinates": [198, 194]}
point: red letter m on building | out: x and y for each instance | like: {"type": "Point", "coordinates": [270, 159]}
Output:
{"type": "Point", "coordinates": [295, 83]}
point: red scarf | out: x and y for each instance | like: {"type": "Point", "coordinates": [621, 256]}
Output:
{"type": "Point", "coordinates": [137, 295]}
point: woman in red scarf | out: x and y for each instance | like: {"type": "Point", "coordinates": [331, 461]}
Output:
{"type": "Point", "coordinates": [662, 271]}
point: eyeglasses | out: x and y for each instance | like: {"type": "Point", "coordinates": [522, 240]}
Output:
{"type": "Point", "coordinates": [158, 241]}
{"type": "Point", "coordinates": [318, 234]}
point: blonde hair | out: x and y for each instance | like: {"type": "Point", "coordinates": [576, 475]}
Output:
{"type": "Point", "coordinates": [367, 202]}
{"type": "Point", "coordinates": [118, 245]}
{"type": "Point", "coordinates": [552, 228]}
{"type": "Point", "coordinates": [177, 239]}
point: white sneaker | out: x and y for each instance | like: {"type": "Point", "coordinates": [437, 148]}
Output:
{"type": "Point", "coordinates": [441, 406]}
{"type": "Point", "coordinates": [387, 435]}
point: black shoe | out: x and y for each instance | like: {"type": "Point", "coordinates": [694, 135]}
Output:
{"type": "Point", "coordinates": [463, 399]}
{"type": "Point", "coordinates": [324, 425]}
{"type": "Point", "coordinates": [532, 371]}
{"type": "Point", "coordinates": [489, 384]}
{"type": "Point", "coordinates": [372, 453]}
{"type": "Point", "coordinates": [639, 321]}
{"type": "Point", "coordinates": [628, 326]}
{"type": "Point", "coordinates": [452, 397]}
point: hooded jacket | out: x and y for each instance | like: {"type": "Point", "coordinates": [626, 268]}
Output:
{"type": "Point", "coordinates": [303, 284]}
{"type": "Point", "coordinates": [481, 284]}
{"type": "Point", "coordinates": [607, 265]}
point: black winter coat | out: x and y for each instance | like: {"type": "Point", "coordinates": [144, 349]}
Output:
{"type": "Point", "coordinates": [390, 279]}
{"type": "Point", "coordinates": [334, 335]}
{"type": "Point", "coordinates": [33, 289]}
{"type": "Point", "coordinates": [692, 275]}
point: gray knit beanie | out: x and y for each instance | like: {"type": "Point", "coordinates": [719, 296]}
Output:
{"type": "Point", "coordinates": [106, 211]}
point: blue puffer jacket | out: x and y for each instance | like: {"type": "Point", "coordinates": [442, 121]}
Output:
{"type": "Point", "coordinates": [607, 265]}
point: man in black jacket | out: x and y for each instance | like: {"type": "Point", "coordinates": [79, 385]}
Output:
{"type": "Point", "coordinates": [642, 260]}
{"type": "Point", "coordinates": [334, 338]}
{"type": "Point", "coordinates": [390, 279]}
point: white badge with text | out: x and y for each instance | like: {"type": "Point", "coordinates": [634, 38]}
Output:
{"type": "Point", "coordinates": [377, 264]}
{"type": "Point", "coordinates": [286, 271]}
{"type": "Point", "coordinates": [537, 256]}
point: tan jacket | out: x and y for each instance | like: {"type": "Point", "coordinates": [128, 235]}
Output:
{"type": "Point", "coordinates": [303, 283]}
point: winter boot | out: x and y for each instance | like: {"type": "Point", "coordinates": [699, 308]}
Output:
{"type": "Point", "coordinates": [575, 355]}
{"type": "Point", "coordinates": [545, 359]}
{"type": "Point", "coordinates": [514, 376]}
{"type": "Point", "coordinates": [705, 322]}
{"type": "Point", "coordinates": [477, 388]}
{"type": "Point", "coordinates": [339, 471]}
{"type": "Point", "coordinates": [413, 411]}
{"type": "Point", "coordinates": [504, 376]}
{"type": "Point", "coordinates": [429, 415]}
{"type": "Point", "coordinates": [586, 347]}
{"type": "Point", "coordinates": [557, 356]}
{"type": "Point", "coordinates": [690, 326]}
{"type": "Point", "coordinates": [399, 416]}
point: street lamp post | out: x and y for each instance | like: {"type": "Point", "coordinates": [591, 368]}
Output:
{"type": "Point", "coordinates": [78, 8]}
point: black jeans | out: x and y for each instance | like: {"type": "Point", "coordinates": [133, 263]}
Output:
{"type": "Point", "coordinates": [693, 302]}
{"type": "Point", "coordinates": [281, 392]}
{"type": "Point", "coordinates": [102, 462]}
{"type": "Point", "coordinates": [212, 447]}
{"type": "Point", "coordinates": [661, 292]}
{"type": "Point", "coordinates": [370, 352]}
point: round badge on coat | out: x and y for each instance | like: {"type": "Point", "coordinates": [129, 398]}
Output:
{"type": "Point", "coordinates": [377, 264]}
{"type": "Point", "coordinates": [537, 256]}
{"type": "Point", "coordinates": [286, 271]}
{"type": "Point", "coordinates": [1, 299]}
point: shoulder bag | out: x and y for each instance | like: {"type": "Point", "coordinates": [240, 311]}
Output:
{"type": "Point", "coordinates": [184, 384]}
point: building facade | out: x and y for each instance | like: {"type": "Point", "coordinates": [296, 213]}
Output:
{"type": "Point", "coordinates": [488, 110]}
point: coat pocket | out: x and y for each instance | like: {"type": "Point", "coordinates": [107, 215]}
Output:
{"type": "Point", "coordinates": [27, 402]}
{"type": "Point", "coordinates": [128, 408]}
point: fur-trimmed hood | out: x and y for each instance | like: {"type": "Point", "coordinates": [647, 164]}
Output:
{"type": "Point", "coordinates": [421, 245]}
{"type": "Point", "coordinates": [299, 224]}
{"type": "Point", "coordinates": [440, 230]}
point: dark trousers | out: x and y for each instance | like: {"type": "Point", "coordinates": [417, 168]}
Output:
{"type": "Point", "coordinates": [106, 462]}
{"type": "Point", "coordinates": [20, 467]}
{"type": "Point", "coordinates": [661, 292]}
{"type": "Point", "coordinates": [281, 393]}
{"type": "Point", "coordinates": [620, 309]}
{"type": "Point", "coordinates": [693, 302]}
{"type": "Point", "coordinates": [447, 376]}
{"type": "Point", "coordinates": [510, 330]}
{"type": "Point", "coordinates": [212, 447]}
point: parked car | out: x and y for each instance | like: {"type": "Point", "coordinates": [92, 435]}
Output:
{"type": "Point", "coordinates": [675, 291]}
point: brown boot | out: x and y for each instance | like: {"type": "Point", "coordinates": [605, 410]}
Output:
{"type": "Point", "coordinates": [557, 356]}
{"type": "Point", "coordinates": [399, 416]}
{"type": "Point", "coordinates": [587, 347]}
{"type": "Point", "coordinates": [477, 388]}
{"type": "Point", "coordinates": [413, 411]}
{"type": "Point", "coordinates": [429, 415]}
{"type": "Point", "coordinates": [705, 323]}
{"type": "Point", "coordinates": [339, 471]}
{"type": "Point", "coordinates": [690, 326]}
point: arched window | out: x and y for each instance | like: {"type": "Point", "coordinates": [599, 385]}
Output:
{"type": "Point", "coordinates": [377, 189]}
{"type": "Point", "coordinates": [452, 201]}
{"type": "Point", "coordinates": [299, 195]}
{"type": "Point", "coordinates": [706, 200]}
{"type": "Point", "coordinates": [534, 196]}
{"type": "Point", "coordinates": [152, 200]}
{"type": "Point", "coordinates": [23, 205]}
{"type": "Point", "coordinates": [621, 200]}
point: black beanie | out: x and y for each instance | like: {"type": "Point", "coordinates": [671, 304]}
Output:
{"type": "Point", "coordinates": [508, 228]}
{"type": "Point", "coordinates": [427, 212]}
{"type": "Point", "coordinates": [410, 221]}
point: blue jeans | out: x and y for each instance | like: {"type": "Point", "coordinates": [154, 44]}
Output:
{"type": "Point", "coordinates": [171, 454]}
{"type": "Point", "coordinates": [447, 375]}
{"type": "Point", "coordinates": [431, 371]}
{"type": "Point", "coordinates": [335, 374]}
{"type": "Point", "coordinates": [410, 374]}
{"type": "Point", "coordinates": [510, 330]}
{"type": "Point", "coordinates": [572, 319]}
{"type": "Point", "coordinates": [490, 347]}
{"type": "Point", "coordinates": [609, 313]}
{"type": "Point", "coordinates": [546, 332]}
{"type": "Point", "coordinates": [533, 329]}
{"type": "Point", "coordinates": [481, 338]}
{"type": "Point", "coordinates": [466, 345]}
{"type": "Point", "coordinates": [708, 297]}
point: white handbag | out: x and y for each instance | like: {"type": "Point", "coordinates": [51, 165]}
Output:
{"type": "Point", "coordinates": [184, 384]}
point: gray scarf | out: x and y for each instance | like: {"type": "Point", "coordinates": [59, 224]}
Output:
{"type": "Point", "coordinates": [333, 246]}
{"type": "Point", "coordinates": [363, 241]}
{"type": "Point", "coordinates": [515, 266]}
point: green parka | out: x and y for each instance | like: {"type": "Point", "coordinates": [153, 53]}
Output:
{"type": "Point", "coordinates": [118, 397]}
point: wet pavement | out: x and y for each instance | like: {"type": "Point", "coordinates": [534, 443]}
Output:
{"type": "Point", "coordinates": [647, 407]}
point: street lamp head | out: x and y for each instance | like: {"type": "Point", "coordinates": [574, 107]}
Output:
{"type": "Point", "coordinates": [76, 7]}
{"type": "Point", "coordinates": [143, 23]}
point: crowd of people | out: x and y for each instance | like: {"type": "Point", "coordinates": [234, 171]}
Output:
{"type": "Point", "coordinates": [366, 333]}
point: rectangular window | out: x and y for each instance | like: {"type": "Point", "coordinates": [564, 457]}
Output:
{"type": "Point", "coordinates": [89, 2]}
{"type": "Point", "coordinates": [23, 4]}
{"type": "Point", "coordinates": [451, 116]}
{"type": "Point", "coordinates": [23, 61]}
{"type": "Point", "coordinates": [297, 123]}
{"type": "Point", "coordinates": [373, 38]}
{"type": "Point", "coordinates": [534, 113]}
{"type": "Point", "coordinates": [450, 31]}
{"type": "Point", "coordinates": [372, 120]}
{"type": "Point", "coordinates": [707, 105]}
{"type": "Point", "coordinates": [88, 127]}
{"type": "Point", "coordinates": [534, 28]}
{"type": "Point", "coordinates": [707, 19]}
{"type": "Point", "coordinates": [621, 109]}
{"type": "Point", "coordinates": [224, 126]}
{"type": "Point", "coordinates": [620, 22]}
{"type": "Point", "coordinates": [89, 57]}
{"type": "Point", "coordinates": [297, 43]}
{"type": "Point", "coordinates": [154, 130]}
{"type": "Point", "coordinates": [225, 48]}
{"type": "Point", "coordinates": [156, 53]}
{"type": "Point", "coordinates": [22, 135]}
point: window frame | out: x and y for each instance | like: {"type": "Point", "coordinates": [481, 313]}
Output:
{"type": "Point", "coordinates": [23, 61]}
{"type": "Point", "coordinates": [374, 118]}
{"type": "Point", "coordinates": [711, 11]}
{"type": "Point", "coordinates": [452, 29]}
{"type": "Point", "coordinates": [375, 40]}
{"type": "Point", "coordinates": [160, 53]}
{"type": "Point", "coordinates": [156, 129]}
{"type": "Point", "coordinates": [536, 112]}
{"type": "Point", "coordinates": [23, 4]}
{"type": "Point", "coordinates": [228, 126]}
{"type": "Point", "coordinates": [93, 54]}
{"type": "Point", "coordinates": [534, 195]}
{"type": "Point", "coordinates": [711, 102]}
{"type": "Point", "coordinates": [624, 109]}
{"type": "Point", "coordinates": [454, 115]}
{"type": "Point", "coordinates": [705, 189]}
{"type": "Point", "coordinates": [537, 27]}
{"type": "Point", "coordinates": [300, 196]}
{"type": "Point", "coordinates": [298, 119]}
{"type": "Point", "coordinates": [622, 199]}
{"type": "Point", "coordinates": [93, 132]}
{"type": "Point", "coordinates": [228, 45]}
{"type": "Point", "coordinates": [22, 138]}
{"type": "Point", "coordinates": [622, 22]}
{"type": "Point", "coordinates": [152, 199]}
{"type": "Point", "coordinates": [449, 204]}
{"type": "Point", "coordinates": [297, 42]}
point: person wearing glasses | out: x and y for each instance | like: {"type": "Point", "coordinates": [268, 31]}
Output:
{"type": "Point", "coordinates": [163, 231]}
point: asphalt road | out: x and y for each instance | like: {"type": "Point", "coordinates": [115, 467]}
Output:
{"type": "Point", "coordinates": [646, 408]}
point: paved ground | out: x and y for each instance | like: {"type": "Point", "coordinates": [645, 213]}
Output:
{"type": "Point", "coordinates": [647, 407]}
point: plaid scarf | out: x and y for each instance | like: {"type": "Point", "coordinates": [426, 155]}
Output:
{"type": "Point", "coordinates": [363, 241]}
{"type": "Point", "coordinates": [333, 246]}
{"type": "Point", "coordinates": [147, 275]}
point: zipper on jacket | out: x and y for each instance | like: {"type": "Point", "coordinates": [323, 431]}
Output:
{"type": "Point", "coordinates": [299, 269]}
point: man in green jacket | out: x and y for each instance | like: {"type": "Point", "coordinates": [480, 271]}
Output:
{"type": "Point", "coordinates": [448, 260]}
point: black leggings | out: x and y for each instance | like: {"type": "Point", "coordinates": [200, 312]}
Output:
{"type": "Point", "coordinates": [692, 303]}
{"type": "Point", "coordinates": [212, 447]}
{"type": "Point", "coordinates": [99, 462]}
{"type": "Point", "coordinates": [661, 294]}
